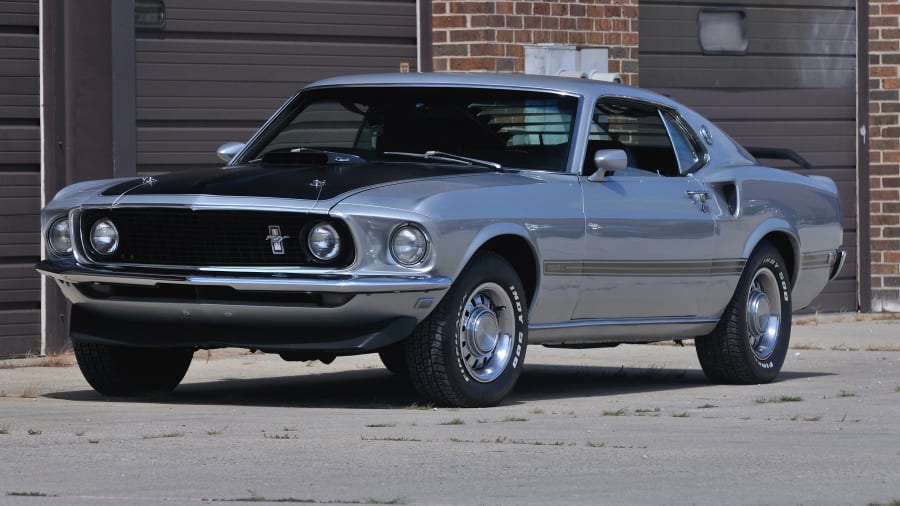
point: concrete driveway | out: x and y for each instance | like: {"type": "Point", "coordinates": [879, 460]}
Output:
{"type": "Point", "coordinates": [632, 425]}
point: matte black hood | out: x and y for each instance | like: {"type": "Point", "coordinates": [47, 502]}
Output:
{"type": "Point", "coordinates": [297, 182]}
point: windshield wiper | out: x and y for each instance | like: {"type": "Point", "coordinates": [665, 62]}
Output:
{"type": "Point", "coordinates": [447, 157]}
{"type": "Point", "coordinates": [313, 155]}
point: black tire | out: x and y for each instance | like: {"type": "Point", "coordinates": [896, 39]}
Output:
{"type": "Point", "coordinates": [394, 359]}
{"type": "Point", "coordinates": [471, 350]}
{"type": "Point", "coordinates": [124, 371]}
{"type": "Point", "coordinates": [750, 343]}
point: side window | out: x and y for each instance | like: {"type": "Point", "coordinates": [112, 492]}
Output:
{"type": "Point", "coordinates": [687, 149]}
{"type": "Point", "coordinates": [639, 130]}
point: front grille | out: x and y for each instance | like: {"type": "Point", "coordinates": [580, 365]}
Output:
{"type": "Point", "coordinates": [183, 237]}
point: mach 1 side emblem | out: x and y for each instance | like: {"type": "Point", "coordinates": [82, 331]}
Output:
{"type": "Point", "coordinates": [276, 239]}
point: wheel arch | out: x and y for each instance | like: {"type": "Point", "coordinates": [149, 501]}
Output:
{"type": "Point", "coordinates": [787, 245]}
{"type": "Point", "coordinates": [520, 253]}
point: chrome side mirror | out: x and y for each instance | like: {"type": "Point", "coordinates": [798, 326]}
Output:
{"type": "Point", "coordinates": [228, 150]}
{"type": "Point", "coordinates": [608, 160]}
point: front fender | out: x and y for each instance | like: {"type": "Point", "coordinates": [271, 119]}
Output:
{"type": "Point", "coordinates": [490, 232]}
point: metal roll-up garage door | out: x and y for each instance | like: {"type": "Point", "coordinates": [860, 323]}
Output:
{"type": "Point", "coordinates": [20, 185]}
{"type": "Point", "coordinates": [792, 87]}
{"type": "Point", "coordinates": [219, 68]}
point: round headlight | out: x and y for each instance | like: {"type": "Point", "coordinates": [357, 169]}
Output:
{"type": "Point", "coordinates": [324, 242]}
{"type": "Point", "coordinates": [104, 237]}
{"type": "Point", "coordinates": [59, 237]}
{"type": "Point", "coordinates": [409, 245]}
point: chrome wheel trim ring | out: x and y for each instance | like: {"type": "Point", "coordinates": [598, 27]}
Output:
{"type": "Point", "coordinates": [486, 328]}
{"type": "Point", "coordinates": [763, 314]}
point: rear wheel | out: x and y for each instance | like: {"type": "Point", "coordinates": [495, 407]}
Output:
{"type": "Point", "coordinates": [750, 342]}
{"type": "Point", "coordinates": [470, 351]}
{"type": "Point", "coordinates": [125, 371]}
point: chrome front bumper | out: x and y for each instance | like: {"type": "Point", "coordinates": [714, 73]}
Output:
{"type": "Point", "coordinates": [272, 312]}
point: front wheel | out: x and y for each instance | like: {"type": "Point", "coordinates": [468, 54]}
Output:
{"type": "Point", "coordinates": [125, 371]}
{"type": "Point", "coordinates": [470, 351]}
{"type": "Point", "coordinates": [751, 340]}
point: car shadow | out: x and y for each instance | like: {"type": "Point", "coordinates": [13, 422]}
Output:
{"type": "Point", "coordinates": [380, 389]}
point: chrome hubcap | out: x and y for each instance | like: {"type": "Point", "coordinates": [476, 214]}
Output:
{"type": "Point", "coordinates": [763, 314]}
{"type": "Point", "coordinates": [485, 335]}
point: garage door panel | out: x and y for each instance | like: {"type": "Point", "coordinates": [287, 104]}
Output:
{"type": "Point", "coordinates": [221, 68]}
{"type": "Point", "coordinates": [288, 17]}
{"type": "Point", "coordinates": [23, 13]}
{"type": "Point", "coordinates": [808, 32]}
{"type": "Point", "coordinates": [778, 72]}
{"type": "Point", "coordinates": [794, 88]}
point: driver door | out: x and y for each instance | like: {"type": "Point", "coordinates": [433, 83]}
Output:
{"type": "Point", "coordinates": [649, 229]}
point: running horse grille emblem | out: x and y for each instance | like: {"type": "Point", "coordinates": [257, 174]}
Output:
{"type": "Point", "coordinates": [276, 240]}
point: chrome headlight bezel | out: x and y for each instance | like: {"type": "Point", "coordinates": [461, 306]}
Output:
{"type": "Point", "coordinates": [105, 244]}
{"type": "Point", "coordinates": [409, 245]}
{"type": "Point", "coordinates": [59, 236]}
{"type": "Point", "coordinates": [324, 242]}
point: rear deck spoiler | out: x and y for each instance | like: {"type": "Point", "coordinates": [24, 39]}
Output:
{"type": "Point", "coordinates": [780, 154]}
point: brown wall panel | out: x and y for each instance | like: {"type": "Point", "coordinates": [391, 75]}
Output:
{"type": "Point", "coordinates": [19, 178]}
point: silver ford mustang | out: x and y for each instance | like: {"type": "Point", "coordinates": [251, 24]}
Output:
{"type": "Point", "coordinates": [447, 222]}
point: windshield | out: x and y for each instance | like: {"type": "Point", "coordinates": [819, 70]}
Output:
{"type": "Point", "coordinates": [515, 129]}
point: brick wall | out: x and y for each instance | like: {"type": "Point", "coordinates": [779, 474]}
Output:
{"type": "Point", "coordinates": [884, 152]}
{"type": "Point", "coordinates": [490, 36]}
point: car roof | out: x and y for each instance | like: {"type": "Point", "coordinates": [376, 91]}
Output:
{"type": "Point", "coordinates": [575, 86]}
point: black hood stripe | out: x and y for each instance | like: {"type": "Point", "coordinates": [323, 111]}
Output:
{"type": "Point", "coordinates": [321, 182]}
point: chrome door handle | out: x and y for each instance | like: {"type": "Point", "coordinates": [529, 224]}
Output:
{"type": "Point", "coordinates": [698, 196]}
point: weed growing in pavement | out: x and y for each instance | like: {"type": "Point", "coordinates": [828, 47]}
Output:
{"type": "Point", "coordinates": [647, 412]}
{"type": "Point", "coordinates": [281, 436]}
{"type": "Point", "coordinates": [60, 360]}
{"type": "Point", "coordinates": [35, 432]}
{"type": "Point", "coordinates": [421, 407]}
{"type": "Point", "coordinates": [591, 444]}
{"type": "Point", "coordinates": [537, 411]}
{"type": "Point", "coordinates": [892, 503]}
{"type": "Point", "coordinates": [455, 421]}
{"type": "Point", "coordinates": [28, 494]}
{"type": "Point", "coordinates": [163, 436]}
{"type": "Point", "coordinates": [882, 347]}
{"type": "Point", "coordinates": [845, 393]}
{"type": "Point", "coordinates": [391, 439]}
{"type": "Point", "coordinates": [799, 418]}
{"type": "Point", "coordinates": [618, 412]}
{"type": "Point", "coordinates": [396, 500]}
{"type": "Point", "coordinates": [539, 443]}
{"type": "Point", "coordinates": [514, 419]}
{"type": "Point", "coordinates": [777, 400]}
{"type": "Point", "coordinates": [93, 441]}
{"type": "Point", "coordinates": [806, 346]}
{"type": "Point", "coordinates": [4, 430]}
{"type": "Point", "coordinates": [707, 406]}
{"type": "Point", "coordinates": [380, 425]}
{"type": "Point", "coordinates": [215, 432]}
{"type": "Point", "coordinates": [683, 414]}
